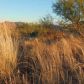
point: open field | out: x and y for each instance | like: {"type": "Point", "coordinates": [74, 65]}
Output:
{"type": "Point", "coordinates": [55, 57]}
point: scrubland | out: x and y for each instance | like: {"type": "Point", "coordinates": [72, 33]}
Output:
{"type": "Point", "coordinates": [53, 56]}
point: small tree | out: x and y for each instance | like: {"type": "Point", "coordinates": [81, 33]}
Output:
{"type": "Point", "coordinates": [72, 10]}
{"type": "Point", "coordinates": [47, 20]}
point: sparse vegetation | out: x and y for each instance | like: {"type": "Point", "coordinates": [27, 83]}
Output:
{"type": "Point", "coordinates": [55, 57]}
{"type": "Point", "coordinates": [44, 53]}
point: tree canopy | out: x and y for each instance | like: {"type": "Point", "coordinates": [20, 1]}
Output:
{"type": "Point", "coordinates": [72, 10]}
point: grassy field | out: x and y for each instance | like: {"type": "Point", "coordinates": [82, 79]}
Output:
{"type": "Point", "coordinates": [46, 56]}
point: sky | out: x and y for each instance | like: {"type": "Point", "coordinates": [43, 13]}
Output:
{"type": "Point", "coordinates": [25, 10]}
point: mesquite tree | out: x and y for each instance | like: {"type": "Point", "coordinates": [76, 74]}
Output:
{"type": "Point", "coordinates": [72, 10]}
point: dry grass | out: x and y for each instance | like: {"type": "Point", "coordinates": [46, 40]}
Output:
{"type": "Point", "coordinates": [49, 60]}
{"type": "Point", "coordinates": [8, 49]}
{"type": "Point", "coordinates": [61, 62]}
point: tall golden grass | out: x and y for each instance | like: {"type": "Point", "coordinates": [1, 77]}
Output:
{"type": "Point", "coordinates": [8, 49]}
{"type": "Point", "coordinates": [61, 62]}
